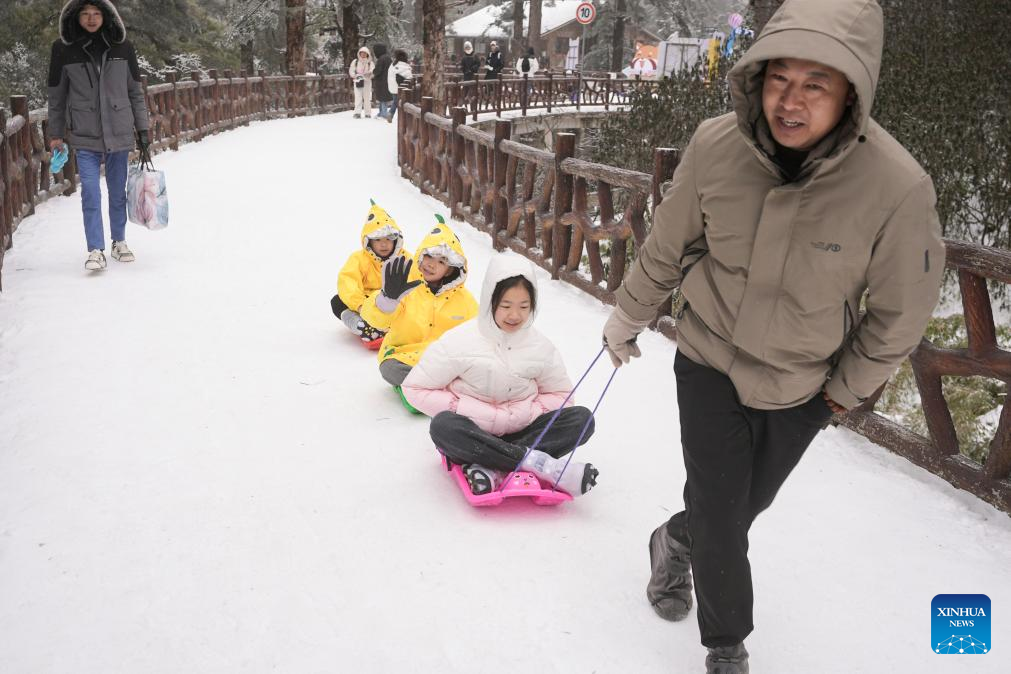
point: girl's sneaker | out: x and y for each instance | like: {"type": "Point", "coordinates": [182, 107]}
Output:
{"type": "Point", "coordinates": [481, 480]}
{"type": "Point", "coordinates": [575, 480]}
{"type": "Point", "coordinates": [122, 252]}
{"type": "Point", "coordinates": [95, 261]}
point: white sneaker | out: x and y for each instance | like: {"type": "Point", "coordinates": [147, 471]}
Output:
{"type": "Point", "coordinates": [96, 261]}
{"type": "Point", "coordinates": [122, 252]}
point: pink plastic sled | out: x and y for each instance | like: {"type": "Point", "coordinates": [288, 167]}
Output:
{"type": "Point", "coordinates": [521, 483]}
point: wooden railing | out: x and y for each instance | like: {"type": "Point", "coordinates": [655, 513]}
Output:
{"type": "Point", "coordinates": [540, 93]}
{"type": "Point", "coordinates": [579, 220]}
{"type": "Point", "coordinates": [180, 111]}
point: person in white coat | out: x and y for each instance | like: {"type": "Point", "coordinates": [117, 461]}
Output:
{"type": "Point", "coordinates": [493, 384]}
{"type": "Point", "coordinates": [527, 65]}
{"type": "Point", "coordinates": [399, 73]}
{"type": "Point", "coordinates": [361, 77]}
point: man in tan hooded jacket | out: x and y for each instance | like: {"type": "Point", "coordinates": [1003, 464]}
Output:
{"type": "Point", "coordinates": [783, 215]}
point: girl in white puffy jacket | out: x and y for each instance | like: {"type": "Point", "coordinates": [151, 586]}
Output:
{"type": "Point", "coordinates": [361, 78]}
{"type": "Point", "coordinates": [491, 386]}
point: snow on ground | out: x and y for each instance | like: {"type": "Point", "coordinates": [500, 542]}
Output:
{"type": "Point", "coordinates": [201, 471]}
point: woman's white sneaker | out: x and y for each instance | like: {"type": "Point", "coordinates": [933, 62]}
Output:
{"type": "Point", "coordinates": [121, 252]}
{"type": "Point", "coordinates": [95, 261]}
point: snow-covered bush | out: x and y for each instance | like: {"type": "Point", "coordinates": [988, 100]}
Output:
{"type": "Point", "coordinates": [22, 73]}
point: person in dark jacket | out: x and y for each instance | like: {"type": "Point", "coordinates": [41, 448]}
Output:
{"type": "Point", "coordinates": [379, 76]}
{"type": "Point", "coordinates": [96, 101]}
{"type": "Point", "coordinates": [493, 64]}
{"type": "Point", "coordinates": [469, 64]}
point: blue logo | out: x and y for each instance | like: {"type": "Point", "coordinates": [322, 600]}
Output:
{"type": "Point", "coordinates": [960, 624]}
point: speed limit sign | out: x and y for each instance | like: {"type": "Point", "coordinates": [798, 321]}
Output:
{"type": "Point", "coordinates": [586, 13]}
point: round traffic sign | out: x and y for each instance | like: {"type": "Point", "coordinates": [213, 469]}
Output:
{"type": "Point", "coordinates": [586, 13]}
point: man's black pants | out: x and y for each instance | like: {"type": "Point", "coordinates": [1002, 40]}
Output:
{"type": "Point", "coordinates": [736, 459]}
{"type": "Point", "coordinates": [463, 442]}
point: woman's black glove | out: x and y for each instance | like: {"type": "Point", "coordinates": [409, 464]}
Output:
{"type": "Point", "coordinates": [142, 141]}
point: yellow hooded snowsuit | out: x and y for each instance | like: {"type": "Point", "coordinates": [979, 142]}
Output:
{"type": "Point", "coordinates": [362, 275]}
{"type": "Point", "coordinates": [423, 316]}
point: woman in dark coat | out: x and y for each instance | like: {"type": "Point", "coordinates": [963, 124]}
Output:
{"type": "Point", "coordinates": [379, 75]}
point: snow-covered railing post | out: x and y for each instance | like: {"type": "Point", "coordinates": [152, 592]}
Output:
{"type": "Point", "coordinates": [23, 143]}
{"type": "Point", "coordinates": [455, 179]}
{"type": "Point", "coordinates": [427, 103]}
{"type": "Point", "coordinates": [173, 114]}
{"type": "Point", "coordinates": [198, 107]}
{"type": "Point", "coordinates": [551, 89]}
{"type": "Point", "coordinates": [565, 147]}
{"type": "Point", "coordinates": [500, 209]}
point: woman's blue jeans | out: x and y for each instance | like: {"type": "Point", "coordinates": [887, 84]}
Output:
{"type": "Point", "coordinates": [89, 166]}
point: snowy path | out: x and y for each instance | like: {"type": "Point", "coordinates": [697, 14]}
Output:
{"type": "Point", "coordinates": [201, 472]}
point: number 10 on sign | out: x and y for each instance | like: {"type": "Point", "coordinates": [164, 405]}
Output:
{"type": "Point", "coordinates": [586, 13]}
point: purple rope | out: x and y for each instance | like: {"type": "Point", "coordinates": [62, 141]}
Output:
{"type": "Point", "coordinates": [555, 416]}
{"type": "Point", "coordinates": [583, 432]}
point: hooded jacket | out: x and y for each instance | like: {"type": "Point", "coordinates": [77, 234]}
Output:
{"type": "Point", "coordinates": [398, 73]}
{"type": "Point", "coordinates": [501, 381]}
{"type": "Point", "coordinates": [425, 314]}
{"type": "Point", "coordinates": [362, 275]}
{"type": "Point", "coordinates": [773, 271]}
{"type": "Point", "coordinates": [96, 99]}
{"type": "Point", "coordinates": [368, 66]}
{"type": "Point", "coordinates": [469, 63]}
{"type": "Point", "coordinates": [381, 73]}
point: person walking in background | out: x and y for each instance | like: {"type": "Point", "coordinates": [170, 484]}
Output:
{"type": "Point", "coordinates": [784, 216]}
{"type": "Point", "coordinates": [493, 64]}
{"type": "Point", "coordinates": [528, 64]}
{"type": "Point", "coordinates": [96, 101]}
{"type": "Point", "coordinates": [379, 84]}
{"type": "Point", "coordinates": [400, 72]}
{"type": "Point", "coordinates": [361, 75]}
{"type": "Point", "coordinates": [469, 64]}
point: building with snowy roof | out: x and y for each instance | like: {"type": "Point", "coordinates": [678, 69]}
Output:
{"type": "Point", "coordinates": [559, 39]}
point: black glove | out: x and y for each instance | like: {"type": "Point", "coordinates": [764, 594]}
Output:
{"type": "Point", "coordinates": [142, 141]}
{"type": "Point", "coordinates": [395, 283]}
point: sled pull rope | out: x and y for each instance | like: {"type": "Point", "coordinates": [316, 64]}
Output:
{"type": "Point", "coordinates": [555, 416]}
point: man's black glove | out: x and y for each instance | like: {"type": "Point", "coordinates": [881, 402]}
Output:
{"type": "Point", "coordinates": [395, 284]}
{"type": "Point", "coordinates": [142, 141]}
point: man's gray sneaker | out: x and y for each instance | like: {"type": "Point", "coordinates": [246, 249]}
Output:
{"type": "Point", "coordinates": [95, 261]}
{"type": "Point", "coordinates": [727, 660]}
{"type": "Point", "coordinates": [670, 582]}
{"type": "Point", "coordinates": [122, 252]}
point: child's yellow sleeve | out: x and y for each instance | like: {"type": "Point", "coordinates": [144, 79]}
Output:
{"type": "Point", "coordinates": [350, 284]}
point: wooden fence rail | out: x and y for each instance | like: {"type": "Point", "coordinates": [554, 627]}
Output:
{"type": "Point", "coordinates": [582, 221]}
{"type": "Point", "coordinates": [180, 110]}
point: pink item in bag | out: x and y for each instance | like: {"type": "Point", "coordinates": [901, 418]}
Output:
{"type": "Point", "coordinates": [146, 198]}
{"type": "Point", "coordinates": [518, 483]}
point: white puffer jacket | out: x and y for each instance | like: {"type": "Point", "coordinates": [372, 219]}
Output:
{"type": "Point", "coordinates": [502, 381]}
{"type": "Point", "coordinates": [401, 68]}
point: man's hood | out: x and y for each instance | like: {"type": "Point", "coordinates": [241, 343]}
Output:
{"type": "Point", "coordinates": [379, 49]}
{"type": "Point", "coordinates": [501, 267]}
{"type": "Point", "coordinates": [847, 35]}
{"type": "Point", "coordinates": [379, 224]}
{"type": "Point", "coordinates": [71, 30]}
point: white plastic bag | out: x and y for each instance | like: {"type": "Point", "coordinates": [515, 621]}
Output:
{"type": "Point", "coordinates": [146, 199]}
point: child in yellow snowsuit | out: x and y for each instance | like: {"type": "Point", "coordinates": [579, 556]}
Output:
{"type": "Point", "coordinates": [417, 305]}
{"type": "Point", "coordinates": [361, 275]}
